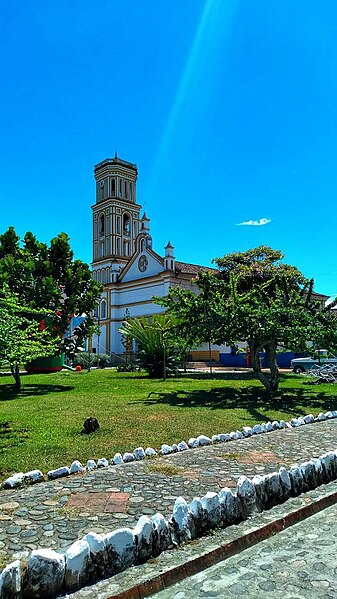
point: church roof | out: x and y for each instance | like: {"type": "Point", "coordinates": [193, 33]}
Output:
{"type": "Point", "coordinates": [192, 269]}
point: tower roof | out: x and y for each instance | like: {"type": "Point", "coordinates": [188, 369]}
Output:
{"type": "Point", "coordinates": [115, 162]}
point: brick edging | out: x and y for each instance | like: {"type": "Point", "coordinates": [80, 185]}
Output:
{"type": "Point", "coordinates": [249, 539]}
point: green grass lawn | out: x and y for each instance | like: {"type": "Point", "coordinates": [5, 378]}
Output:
{"type": "Point", "coordinates": [40, 426]}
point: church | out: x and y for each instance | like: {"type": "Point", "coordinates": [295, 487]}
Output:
{"type": "Point", "coordinates": [124, 260]}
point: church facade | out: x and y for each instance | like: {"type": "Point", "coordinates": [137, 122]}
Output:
{"type": "Point", "coordinates": [124, 260]}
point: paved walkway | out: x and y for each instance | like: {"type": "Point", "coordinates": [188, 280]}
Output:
{"type": "Point", "coordinates": [297, 563]}
{"type": "Point", "coordinates": [54, 514]}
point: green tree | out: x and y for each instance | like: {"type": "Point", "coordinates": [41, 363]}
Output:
{"type": "Point", "coordinates": [158, 349]}
{"type": "Point", "coordinates": [47, 277]}
{"type": "Point", "coordinates": [254, 297]}
{"type": "Point", "coordinates": [21, 337]}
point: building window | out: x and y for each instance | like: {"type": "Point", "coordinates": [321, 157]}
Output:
{"type": "Point", "coordinates": [126, 248]}
{"type": "Point", "coordinates": [126, 189]}
{"type": "Point", "coordinates": [113, 186]}
{"type": "Point", "coordinates": [120, 187]}
{"type": "Point", "coordinates": [103, 309]}
{"type": "Point", "coordinates": [118, 227]}
{"type": "Point", "coordinates": [118, 247]}
{"type": "Point", "coordinates": [130, 191]}
{"type": "Point", "coordinates": [101, 225]}
{"type": "Point", "coordinates": [101, 249]}
{"type": "Point", "coordinates": [126, 224]}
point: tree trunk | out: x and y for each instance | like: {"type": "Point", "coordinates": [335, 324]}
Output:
{"type": "Point", "coordinates": [16, 374]}
{"type": "Point", "coordinates": [256, 366]}
{"type": "Point", "coordinates": [273, 367]}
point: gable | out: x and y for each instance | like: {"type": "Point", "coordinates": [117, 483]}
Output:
{"type": "Point", "coordinates": [142, 265]}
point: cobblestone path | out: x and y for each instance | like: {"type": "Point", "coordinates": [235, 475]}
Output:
{"type": "Point", "coordinates": [297, 563]}
{"type": "Point", "coordinates": [54, 514]}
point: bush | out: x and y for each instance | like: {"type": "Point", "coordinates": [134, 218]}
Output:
{"type": "Point", "coordinates": [86, 360]}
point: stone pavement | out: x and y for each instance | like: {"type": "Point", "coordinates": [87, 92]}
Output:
{"type": "Point", "coordinates": [54, 514]}
{"type": "Point", "coordinates": [297, 563]}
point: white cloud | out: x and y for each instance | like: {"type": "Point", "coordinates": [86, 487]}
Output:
{"type": "Point", "coordinates": [256, 223]}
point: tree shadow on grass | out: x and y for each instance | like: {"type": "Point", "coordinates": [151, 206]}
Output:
{"type": "Point", "coordinates": [294, 402]}
{"type": "Point", "coordinates": [9, 392]}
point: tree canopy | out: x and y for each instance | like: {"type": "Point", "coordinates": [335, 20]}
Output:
{"type": "Point", "coordinates": [46, 276]}
{"type": "Point", "coordinates": [255, 298]}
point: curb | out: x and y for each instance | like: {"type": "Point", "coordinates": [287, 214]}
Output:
{"type": "Point", "coordinates": [178, 573]}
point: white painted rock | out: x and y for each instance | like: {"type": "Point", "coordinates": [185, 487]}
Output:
{"type": "Point", "coordinates": [192, 443]}
{"type": "Point", "coordinates": [76, 467]}
{"type": "Point", "coordinates": [215, 438]}
{"type": "Point", "coordinates": [77, 565]}
{"type": "Point", "coordinates": [230, 507]}
{"type": "Point", "coordinates": [182, 520]}
{"type": "Point", "coordinates": [239, 435]}
{"type": "Point", "coordinates": [197, 512]}
{"type": "Point", "coordinates": [128, 457]}
{"type": "Point", "coordinates": [321, 416]}
{"type": "Point", "coordinates": [301, 421]}
{"type": "Point", "coordinates": [269, 427]}
{"type": "Point", "coordinates": [263, 427]}
{"type": "Point", "coordinates": [44, 574]}
{"type": "Point", "coordinates": [182, 446]}
{"type": "Point", "coordinates": [211, 506]}
{"type": "Point", "coordinates": [257, 429]}
{"type": "Point", "coordinates": [334, 413]}
{"type": "Point", "coordinates": [296, 480]}
{"type": "Point", "coordinates": [260, 490]}
{"type": "Point", "coordinates": [317, 464]}
{"type": "Point", "coordinates": [247, 431]}
{"type": "Point", "coordinates": [117, 459]}
{"type": "Point", "coordinates": [224, 437]}
{"type": "Point", "coordinates": [175, 447]}
{"type": "Point", "coordinates": [275, 425]}
{"type": "Point", "coordinates": [308, 472]}
{"type": "Point", "coordinates": [329, 414]}
{"type": "Point", "coordinates": [121, 549]}
{"type": "Point", "coordinates": [309, 419]}
{"type": "Point", "coordinates": [329, 463]}
{"type": "Point", "coordinates": [98, 555]}
{"type": "Point", "coordinates": [102, 463]}
{"type": "Point", "coordinates": [143, 533]}
{"type": "Point", "coordinates": [165, 449]}
{"type": "Point", "coordinates": [203, 440]}
{"type": "Point", "coordinates": [245, 491]}
{"type": "Point", "coordinates": [34, 476]}
{"type": "Point", "coordinates": [283, 424]}
{"type": "Point", "coordinates": [274, 494]}
{"type": "Point", "coordinates": [295, 422]}
{"type": "Point", "coordinates": [10, 581]}
{"type": "Point", "coordinates": [285, 482]}
{"type": "Point", "coordinates": [149, 451]}
{"type": "Point", "coordinates": [162, 537]}
{"type": "Point", "coordinates": [139, 453]}
{"type": "Point", "coordinates": [58, 473]}
{"type": "Point", "coordinates": [14, 481]}
{"type": "Point", "coordinates": [91, 465]}
{"type": "Point", "coordinates": [233, 436]}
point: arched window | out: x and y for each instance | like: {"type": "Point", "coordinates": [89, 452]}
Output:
{"type": "Point", "coordinates": [98, 276]}
{"type": "Point", "coordinates": [113, 186]}
{"type": "Point", "coordinates": [142, 245]}
{"type": "Point", "coordinates": [130, 191]}
{"type": "Point", "coordinates": [103, 310]}
{"type": "Point", "coordinates": [103, 276]}
{"type": "Point", "coordinates": [126, 224]}
{"type": "Point", "coordinates": [126, 189]}
{"type": "Point", "coordinates": [101, 249]}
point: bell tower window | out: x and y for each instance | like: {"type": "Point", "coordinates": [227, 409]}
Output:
{"type": "Point", "coordinates": [113, 186]}
{"type": "Point", "coordinates": [126, 224]}
{"type": "Point", "coordinates": [101, 225]}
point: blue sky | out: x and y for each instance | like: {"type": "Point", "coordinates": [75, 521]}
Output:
{"type": "Point", "coordinates": [227, 107]}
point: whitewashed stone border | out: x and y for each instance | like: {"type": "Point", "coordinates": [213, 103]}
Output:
{"type": "Point", "coordinates": [47, 573]}
{"type": "Point", "coordinates": [34, 476]}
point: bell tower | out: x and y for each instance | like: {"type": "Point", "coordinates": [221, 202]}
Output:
{"type": "Point", "coordinates": [115, 216]}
